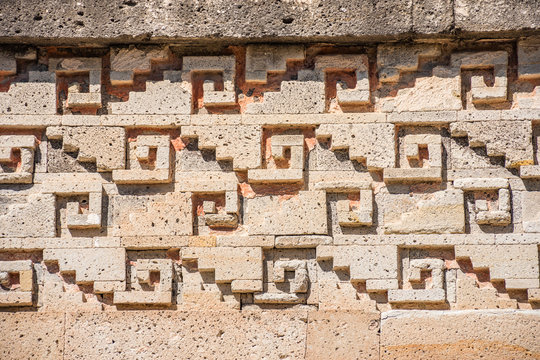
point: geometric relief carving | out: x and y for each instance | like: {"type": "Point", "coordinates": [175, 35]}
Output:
{"type": "Point", "coordinates": [218, 73]}
{"type": "Point", "coordinates": [425, 278]}
{"type": "Point", "coordinates": [102, 145]}
{"type": "Point", "coordinates": [149, 161]}
{"type": "Point", "coordinates": [149, 281]}
{"type": "Point", "coordinates": [491, 199]}
{"type": "Point", "coordinates": [393, 60]}
{"type": "Point", "coordinates": [284, 162]}
{"type": "Point", "coordinates": [497, 61]}
{"type": "Point", "coordinates": [126, 62]}
{"type": "Point", "coordinates": [16, 282]}
{"type": "Point", "coordinates": [369, 143]}
{"type": "Point", "coordinates": [217, 212]}
{"type": "Point", "coordinates": [420, 158]}
{"type": "Point", "coordinates": [83, 204]}
{"type": "Point", "coordinates": [77, 97]}
{"type": "Point", "coordinates": [376, 266]}
{"type": "Point", "coordinates": [262, 59]}
{"type": "Point", "coordinates": [17, 158]}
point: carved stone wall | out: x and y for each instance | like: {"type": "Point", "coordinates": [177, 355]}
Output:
{"type": "Point", "coordinates": [271, 200]}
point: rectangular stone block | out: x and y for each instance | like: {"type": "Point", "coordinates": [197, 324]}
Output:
{"type": "Point", "coordinates": [300, 214]}
{"type": "Point", "coordinates": [472, 334]}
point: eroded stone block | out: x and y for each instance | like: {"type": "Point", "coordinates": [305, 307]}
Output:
{"type": "Point", "coordinates": [27, 215]}
{"type": "Point", "coordinates": [262, 59]}
{"type": "Point", "coordinates": [16, 283]}
{"type": "Point", "coordinates": [106, 146]}
{"type": "Point", "coordinates": [392, 60]}
{"type": "Point", "coordinates": [128, 61]}
{"type": "Point", "coordinates": [302, 213]}
{"type": "Point", "coordinates": [17, 158]}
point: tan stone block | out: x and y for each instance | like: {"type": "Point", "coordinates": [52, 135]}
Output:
{"type": "Point", "coordinates": [28, 216]}
{"type": "Point", "coordinates": [35, 97]}
{"type": "Point", "coordinates": [342, 335]}
{"type": "Point", "coordinates": [225, 334]}
{"type": "Point", "coordinates": [438, 212]}
{"type": "Point", "coordinates": [528, 55]}
{"type": "Point", "coordinates": [372, 143]}
{"type": "Point", "coordinates": [103, 145]}
{"type": "Point", "coordinates": [89, 265]}
{"type": "Point", "coordinates": [128, 61]}
{"type": "Point", "coordinates": [263, 58]}
{"type": "Point", "coordinates": [240, 144]}
{"type": "Point", "coordinates": [228, 264]}
{"type": "Point", "coordinates": [500, 334]}
{"type": "Point", "coordinates": [511, 139]}
{"type": "Point", "coordinates": [394, 59]}
{"type": "Point", "coordinates": [301, 214]}
{"type": "Point", "coordinates": [27, 335]}
{"type": "Point", "coordinates": [295, 97]}
{"type": "Point", "coordinates": [152, 215]}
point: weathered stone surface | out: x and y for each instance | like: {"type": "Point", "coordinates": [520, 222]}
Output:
{"type": "Point", "coordinates": [342, 335]}
{"type": "Point", "coordinates": [472, 334]}
{"type": "Point", "coordinates": [225, 334]}
{"type": "Point", "coordinates": [29, 335]}
{"type": "Point", "coordinates": [303, 213]}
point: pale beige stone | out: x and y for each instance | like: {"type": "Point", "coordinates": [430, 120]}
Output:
{"type": "Point", "coordinates": [27, 335]}
{"type": "Point", "coordinates": [89, 265]}
{"type": "Point", "coordinates": [262, 59]}
{"type": "Point", "coordinates": [511, 139]}
{"type": "Point", "coordinates": [528, 59]}
{"type": "Point", "coordinates": [28, 216]}
{"type": "Point", "coordinates": [128, 61]}
{"type": "Point", "coordinates": [26, 145]}
{"type": "Point", "coordinates": [240, 144]}
{"type": "Point", "coordinates": [152, 215]}
{"type": "Point", "coordinates": [342, 335]}
{"type": "Point", "coordinates": [471, 334]}
{"type": "Point", "coordinates": [225, 334]}
{"type": "Point", "coordinates": [372, 143]}
{"type": "Point", "coordinates": [103, 145]}
{"type": "Point", "coordinates": [35, 97]}
{"type": "Point", "coordinates": [505, 262]}
{"type": "Point", "coordinates": [438, 212]}
{"type": "Point", "coordinates": [303, 213]}
{"type": "Point", "coordinates": [393, 59]}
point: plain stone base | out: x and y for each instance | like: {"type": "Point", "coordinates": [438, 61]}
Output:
{"type": "Point", "coordinates": [272, 334]}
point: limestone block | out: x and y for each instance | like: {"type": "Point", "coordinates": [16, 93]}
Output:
{"type": "Point", "coordinates": [210, 216]}
{"type": "Point", "coordinates": [106, 146]}
{"type": "Point", "coordinates": [239, 144]}
{"type": "Point", "coordinates": [228, 264]}
{"type": "Point", "coordinates": [262, 59]}
{"type": "Point", "coordinates": [372, 143]}
{"type": "Point", "coordinates": [505, 262]}
{"type": "Point", "coordinates": [141, 285]}
{"type": "Point", "coordinates": [160, 98]}
{"type": "Point", "coordinates": [77, 65]}
{"type": "Point", "coordinates": [302, 241]}
{"type": "Point", "coordinates": [498, 60]}
{"type": "Point", "coordinates": [295, 97]}
{"type": "Point", "coordinates": [473, 334]}
{"type": "Point", "coordinates": [23, 171]}
{"type": "Point", "coordinates": [16, 294]}
{"type": "Point", "coordinates": [356, 213]}
{"type": "Point", "coordinates": [349, 335]}
{"type": "Point", "coordinates": [149, 161]}
{"type": "Point", "coordinates": [530, 202]}
{"type": "Point", "coordinates": [223, 65]}
{"type": "Point", "coordinates": [35, 97]}
{"type": "Point", "coordinates": [511, 139]}
{"type": "Point", "coordinates": [438, 212]}
{"type": "Point", "coordinates": [128, 61]}
{"type": "Point", "coordinates": [152, 215]}
{"type": "Point", "coordinates": [205, 181]}
{"type": "Point", "coordinates": [529, 59]}
{"type": "Point", "coordinates": [363, 262]}
{"type": "Point", "coordinates": [27, 215]}
{"type": "Point", "coordinates": [23, 335]}
{"type": "Point", "coordinates": [242, 334]}
{"type": "Point", "coordinates": [392, 60]}
{"type": "Point", "coordinates": [89, 265]}
{"type": "Point", "coordinates": [486, 211]}
{"type": "Point", "coordinates": [300, 214]}
{"type": "Point", "coordinates": [279, 145]}
{"type": "Point", "coordinates": [415, 166]}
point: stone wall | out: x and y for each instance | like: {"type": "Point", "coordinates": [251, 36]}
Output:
{"type": "Point", "coordinates": [197, 199]}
